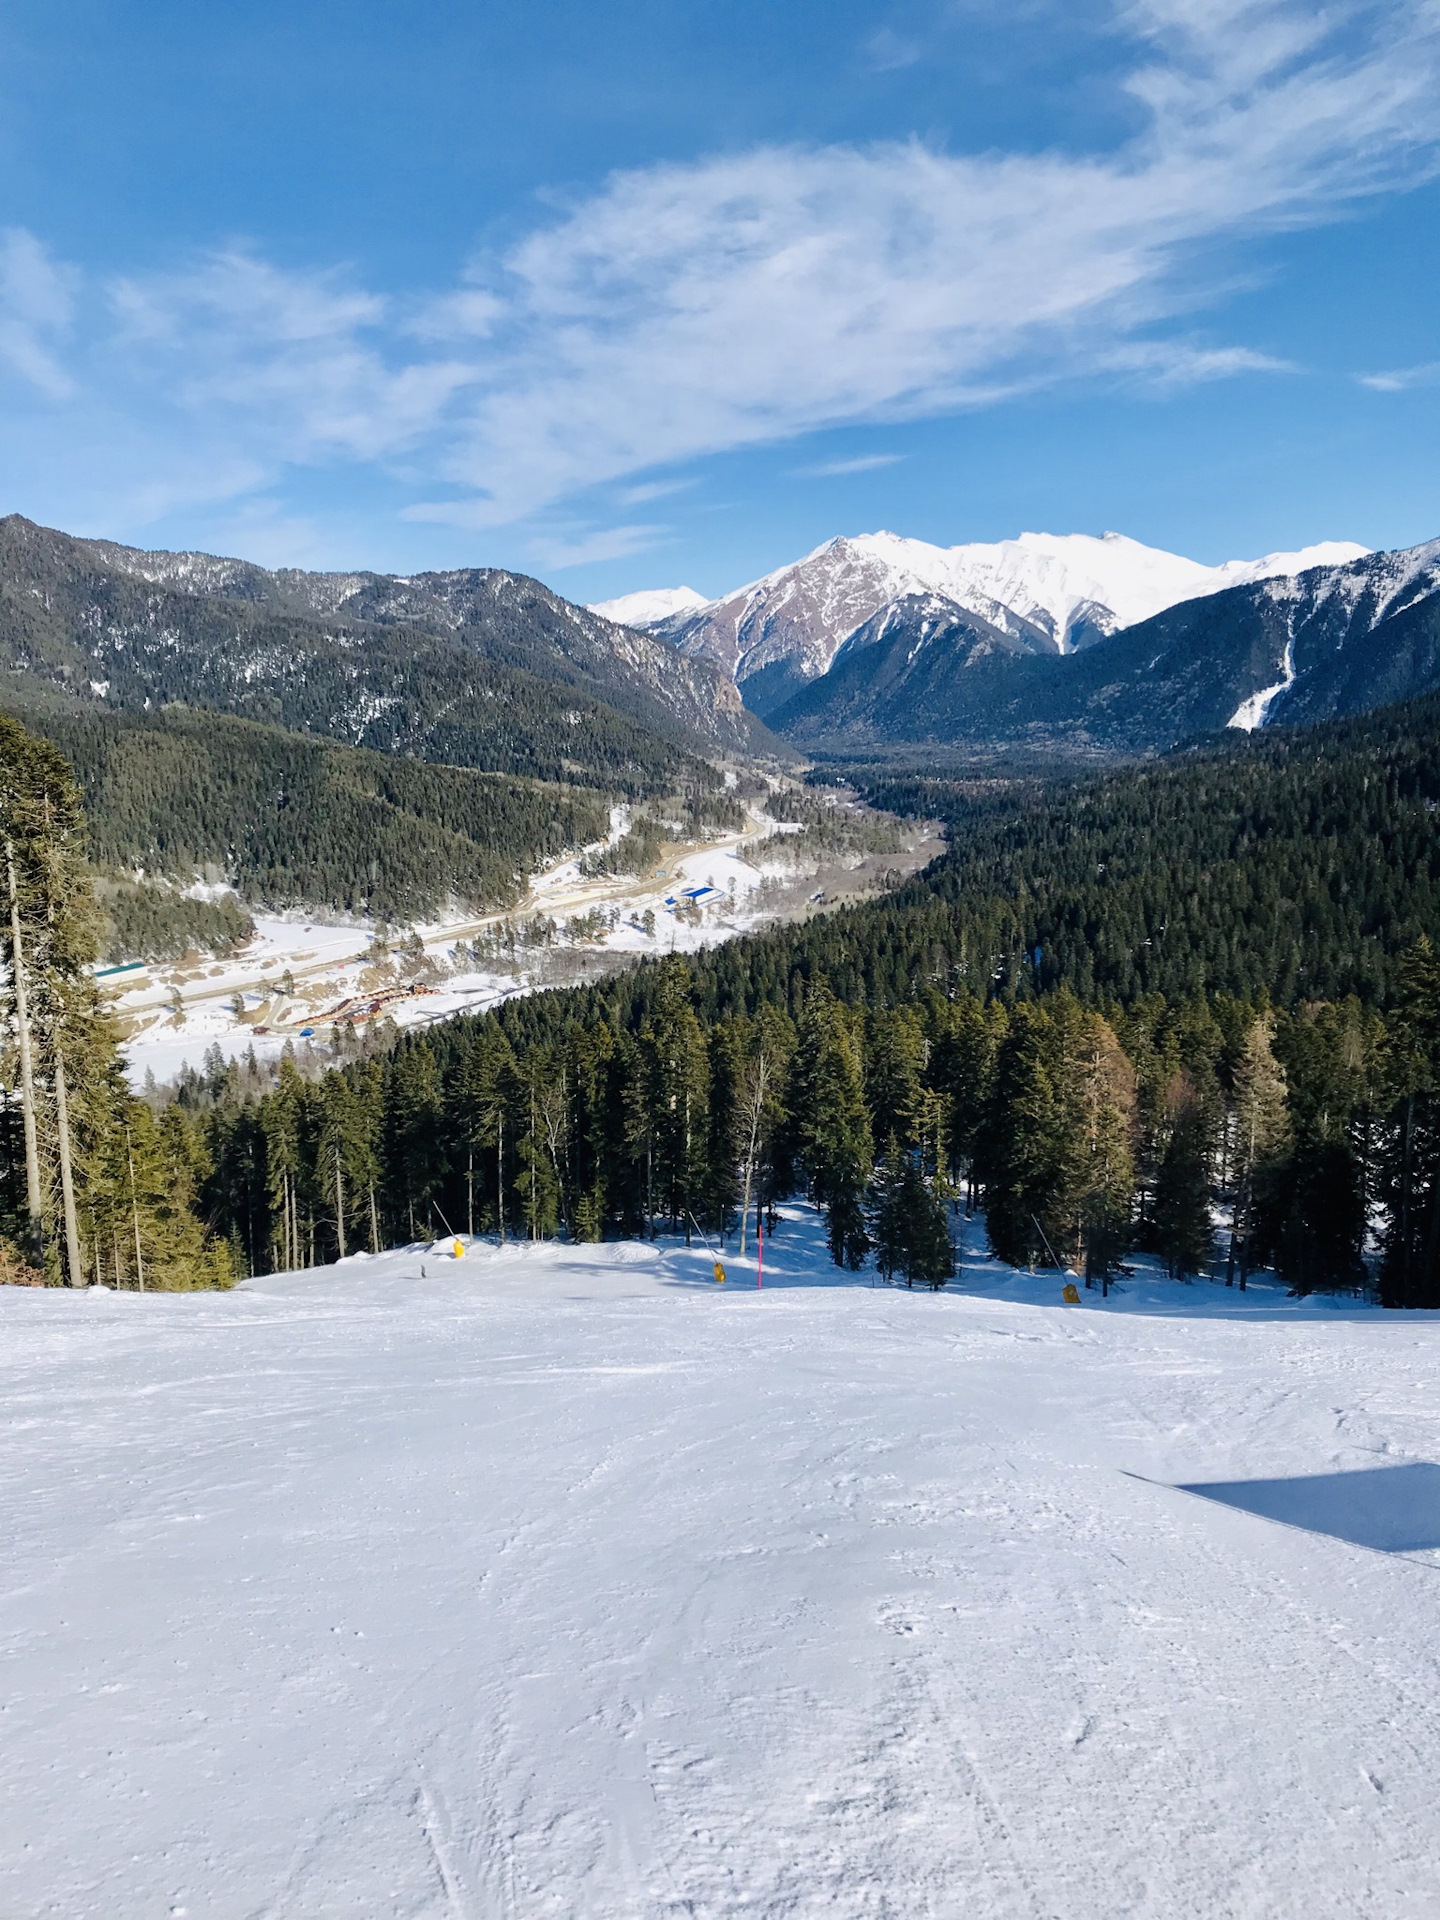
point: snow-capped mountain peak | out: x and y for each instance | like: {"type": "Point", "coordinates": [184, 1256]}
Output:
{"type": "Point", "coordinates": [649, 606]}
{"type": "Point", "coordinates": [1052, 593]}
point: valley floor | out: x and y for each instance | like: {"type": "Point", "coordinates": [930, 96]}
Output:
{"type": "Point", "coordinates": [303, 979]}
{"type": "Point", "coordinates": [562, 1582]}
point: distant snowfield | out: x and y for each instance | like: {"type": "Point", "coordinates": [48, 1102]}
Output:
{"type": "Point", "coordinates": [564, 1582]}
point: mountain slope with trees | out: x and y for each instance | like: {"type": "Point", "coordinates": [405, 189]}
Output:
{"type": "Point", "coordinates": [289, 820]}
{"type": "Point", "coordinates": [486, 669]}
{"type": "Point", "coordinates": [95, 1185]}
{"type": "Point", "coordinates": [1113, 1006]}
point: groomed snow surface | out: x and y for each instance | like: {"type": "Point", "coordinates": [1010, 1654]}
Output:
{"type": "Point", "coordinates": [564, 1582]}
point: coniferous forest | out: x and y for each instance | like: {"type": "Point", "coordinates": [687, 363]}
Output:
{"type": "Point", "coordinates": [287, 818]}
{"type": "Point", "coordinates": [1191, 1007]}
{"type": "Point", "coordinates": [98, 1187]}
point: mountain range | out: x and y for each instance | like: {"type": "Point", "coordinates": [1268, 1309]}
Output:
{"type": "Point", "coordinates": [475, 668]}
{"type": "Point", "coordinates": [1067, 645]}
{"type": "Point", "coordinates": [875, 645]}
{"type": "Point", "coordinates": [1047, 594]}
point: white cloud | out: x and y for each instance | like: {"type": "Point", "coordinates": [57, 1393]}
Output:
{"type": "Point", "coordinates": [558, 551]}
{"type": "Point", "coordinates": [862, 463]}
{"type": "Point", "coordinates": [636, 496]}
{"type": "Point", "coordinates": [748, 299]}
{"type": "Point", "coordinates": [36, 303]}
{"type": "Point", "coordinates": [302, 361]}
{"type": "Point", "coordinates": [1167, 364]}
{"type": "Point", "coordinates": [887, 51]}
{"type": "Point", "coordinates": [1402, 379]}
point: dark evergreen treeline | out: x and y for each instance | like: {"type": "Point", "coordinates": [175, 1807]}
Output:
{"type": "Point", "coordinates": [1297, 863]}
{"type": "Point", "coordinates": [288, 819]}
{"type": "Point", "coordinates": [1233, 1013]}
{"type": "Point", "coordinates": [146, 922]}
{"type": "Point", "coordinates": [1079, 1133]}
{"type": "Point", "coordinates": [93, 1185]}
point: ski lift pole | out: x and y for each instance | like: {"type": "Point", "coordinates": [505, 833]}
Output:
{"type": "Point", "coordinates": [719, 1269]}
{"type": "Point", "coordinates": [458, 1248]}
{"type": "Point", "coordinates": [1048, 1248]}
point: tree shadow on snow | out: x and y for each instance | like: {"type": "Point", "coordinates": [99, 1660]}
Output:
{"type": "Point", "coordinates": [1388, 1509]}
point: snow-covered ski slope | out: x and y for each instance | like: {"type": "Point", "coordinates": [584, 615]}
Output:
{"type": "Point", "coordinates": [562, 1582]}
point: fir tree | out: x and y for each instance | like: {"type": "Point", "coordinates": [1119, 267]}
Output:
{"type": "Point", "coordinates": [1262, 1139]}
{"type": "Point", "coordinates": [887, 1223]}
{"type": "Point", "coordinates": [1181, 1214]}
{"type": "Point", "coordinates": [1410, 1273]}
{"type": "Point", "coordinates": [416, 1147]}
{"type": "Point", "coordinates": [677, 1094]}
{"type": "Point", "coordinates": [834, 1124]}
{"type": "Point", "coordinates": [86, 1199]}
{"type": "Point", "coordinates": [1101, 1174]}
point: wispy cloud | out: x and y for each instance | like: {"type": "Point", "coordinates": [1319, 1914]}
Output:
{"type": "Point", "coordinates": [1401, 379]}
{"type": "Point", "coordinates": [862, 463]}
{"type": "Point", "coordinates": [37, 297]}
{"type": "Point", "coordinates": [748, 299]}
{"type": "Point", "coordinates": [558, 551]}
{"type": "Point", "coordinates": [683, 310]}
{"type": "Point", "coordinates": [887, 51]}
{"type": "Point", "coordinates": [653, 490]}
{"type": "Point", "coordinates": [1167, 364]}
{"type": "Point", "coordinates": [306, 362]}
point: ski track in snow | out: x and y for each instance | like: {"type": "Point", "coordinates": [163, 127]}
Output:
{"type": "Point", "coordinates": [564, 1583]}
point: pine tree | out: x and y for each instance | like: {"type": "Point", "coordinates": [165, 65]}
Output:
{"type": "Point", "coordinates": [833, 1123]}
{"type": "Point", "coordinates": [896, 1056]}
{"type": "Point", "coordinates": [677, 1096]}
{"type": "Point", "coordinates": [83, 1206]}
{"type": "Point", "coordinates": [1102, 1171]}
{"type": "Point", "coordinates": [1028, 1141]}
{"type": "Point", "coordinates": [765, 1047]}
{"type": "Point", "coordinates": [886, 1215]}
{"type": "Point", "coordinates": [489, 1088]}
{"type": "Point", "coordinates": [536, 1188]}
{"type": "Point", "coordinates": [1181, 1214]}
{"type": "Point", "coordinates": [930, 1254]}
{"type": "Point", "coordinates": [962, 1071]}
{"type": "Point", "coordinates": [283, 1123]}
{"type": "Point", "coordinates": [1262, 1137]}
{"type": "Point", "coordinates": [415, 1157]}
{"type": "Point", "coordinates": [1410, 1272]}
{"type": "Point", "coordinates": [909, 1230]}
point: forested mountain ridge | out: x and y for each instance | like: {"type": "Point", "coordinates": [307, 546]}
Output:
{"type": "Point", "coordinates": [483, 668]}
{"type": "Point", "coordinates": [290, 820]}
{"type": "Point", "coordinates": [1113, 1002]}
{"type": "Point", "coordinates": [502, 616]}
{"type": "Point", "coordinates": [1293, 864]}
{"type": "Point", "coordinates": [1332, 641]}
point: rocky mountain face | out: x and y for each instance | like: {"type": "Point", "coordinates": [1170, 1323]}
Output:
{"type": "Point", "coordinates": [479, 667]}
{"type": "Point", "coordinates": [1051, 594]}
{"type": "Point", "coordinates": [1332, 640]}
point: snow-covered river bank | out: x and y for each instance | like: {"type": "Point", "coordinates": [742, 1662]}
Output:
{"type": "Point", "coordinates": [563, 1582]}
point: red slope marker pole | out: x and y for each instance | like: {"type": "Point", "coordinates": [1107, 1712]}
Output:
{"type": "Point", "coordinates": [759, 1251]}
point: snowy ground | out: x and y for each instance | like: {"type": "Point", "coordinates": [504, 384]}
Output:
{"type": "Point", "coordinates": [300, 977]}
{"type": "Point", "coordinates": [562, 1582]}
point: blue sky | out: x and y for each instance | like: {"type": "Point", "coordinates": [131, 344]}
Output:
{"type": "Point", "coordinates": [647, 293]}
